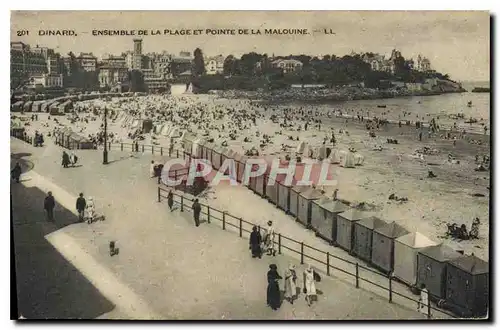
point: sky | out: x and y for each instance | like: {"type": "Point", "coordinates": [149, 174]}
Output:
{"type": "Point", "coordinates": [456, 42]}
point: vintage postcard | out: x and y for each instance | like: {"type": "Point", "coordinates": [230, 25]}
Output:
{"type": "Point", "coordinates": [175, 165]}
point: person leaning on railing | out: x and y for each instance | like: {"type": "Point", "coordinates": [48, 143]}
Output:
{"type": "Point", "coordinates": [196, 212]}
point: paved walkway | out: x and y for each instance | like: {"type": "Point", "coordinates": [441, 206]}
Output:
{"type": "Point", "coordinates": [167, 268]}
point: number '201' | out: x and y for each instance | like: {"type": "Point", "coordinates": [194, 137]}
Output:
{"type": "Point", "coordinates": [21, 33]}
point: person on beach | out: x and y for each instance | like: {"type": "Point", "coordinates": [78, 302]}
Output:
{"type": "Point", "coordinates": [170, 200]}
{"type": "Point", "coordinates": [73, 159]}
{"type": "Point", "coordinates": [255, 242]}
{"type": "Point", "coordinates": [48, 205]}
{"type": "Point", "coordinates": [16, 172]}
{"type": "Point", "coordinates": [152, 169]}
{"type": "Point", "coordinates": [196, 212]}
{"type": "Point", "coordinates": [269, 239]}
{"type": "Point", "coordinates": [290, 284]}
{"type": "Point", "coordinates": [309, 285]}
{"type": "Point", "coordinates": [273, 288]}
{"type": "Point", "coordinates": [65, 159]}
{"type": "Point", "coordinates": [81, 204]}
{"type": "Point", "coordinates": [423, 301]}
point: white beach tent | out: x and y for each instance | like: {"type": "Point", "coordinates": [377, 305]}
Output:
{"type": "Point", "coordinates": [334, 156]}
{"type": "Point", "coordinates": [346, 159]}
{"type": "Point", "coordinates": [308, 151]}
{"type": "Point", "coordinates": [196, 150]}
{"type": "Point", "coordinates": [321, 152]}
{"type": "Point", "coordinates": [174, 133]}
{"type": "Point", "coordinates": [359, 159]}
{"type": "Point", "coordinates": [165, 129]}
{"type": "Point", "coordinates": [300, 147]}
{"type": "Point", "coordinates": [135, 124]}
{"type": "Point", "coordinates": [405, 255]}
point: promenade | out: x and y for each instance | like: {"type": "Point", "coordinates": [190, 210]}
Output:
{"type": "Point", "coordinates": [166, 269]}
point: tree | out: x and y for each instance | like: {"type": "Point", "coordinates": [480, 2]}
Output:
{"type": "Point", "coordinates": [248, 62]}
{"type": "Point", "coordinates": [198, 63]}
{"type": "Point", "coordinates": [229, 65]}
{"type": "Point", "coordinates": [136, 81]}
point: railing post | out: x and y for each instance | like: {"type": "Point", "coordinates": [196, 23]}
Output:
{"type": "Point", "coordinates": [223, 220]}
{"type": "Point", "coordinates": [279, 243]}
{"type": "Point", "coordinates": [159, 196]}
{"type": "Point", "coordinates": [241, 227]}
{"type": "Point", "coordinates": [302, 253]}
{"type": "Point", "coordinates": [357, 275]}
{"type": "Point", "coordinates": [161, 151]}
{"type": "Point", "coordinates": [177, 153]}
{"type": "Point", "coordinates": [208, 214]}
{"type": "Point", "coordinates": [390, 288]}
{"type": "Point", "coordinates": [428, 308]}
{"type": "Point", "coordinates": [182, 203]}
{"type": "Point", "coordinates": [143, 148]}
{"type": "Point", "coordinates": [328, 263]}
{"type": "Point", "coordinates": [169, 152]}
{"type": "Point", "coordinates": [152, 150]}
{"type": "Point", "coordinates": [121, 146]}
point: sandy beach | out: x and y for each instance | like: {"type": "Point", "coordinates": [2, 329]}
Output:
{"type": "Point", "coordinates": [272, 129]}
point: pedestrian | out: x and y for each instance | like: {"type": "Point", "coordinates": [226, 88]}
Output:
{"type": "Point", "coordinates": [73, 159]}
{"type": "Point", "coordinates": [65, 159]}
{"type": "Point", "coordinates": [16, 172]}
{"type": "Point", "coordinates": [152, 169]}
{"type": "Point", "coordinates": [48, 205]}
{"type": "Point", "coordinates": [170, 200]}
{"type": "Point", "coordinates": [309, 285]}
{"type": "Point", "coordinates": [290, 284]}
{"type": "Point", "coordinates": [80, 207]}
{"type": "Point", "coordinates": [423, 301]}
{"type": "Point", "coordinates": [269, 239]}
{"type": "Point", "coordinates": [91, 215]}
{"type": "Point", "coordinates": [255, 241]}
{"type": "Point", "coordinates": [196, 212]}
{"type": "Point", "coordinates": [273, 288]}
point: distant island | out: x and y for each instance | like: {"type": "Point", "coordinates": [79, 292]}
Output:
{"type": "Point", "coordinates": [481, 90]}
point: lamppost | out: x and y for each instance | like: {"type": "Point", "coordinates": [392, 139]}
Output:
{"type": "Point", "coordinates": [105, 151]}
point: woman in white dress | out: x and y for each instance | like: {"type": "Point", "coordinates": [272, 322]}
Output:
{"type": "Point", "coordinates": [424, 300]}
{"type": "Point", "coordinates": [90, 210]}
{"type": "Point", "coordinates": [291, 284]}
{"type": "Point", "coordinates": [309, 284]}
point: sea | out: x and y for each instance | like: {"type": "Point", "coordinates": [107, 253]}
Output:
{"type": "Point", "coordinates": [444, 108]}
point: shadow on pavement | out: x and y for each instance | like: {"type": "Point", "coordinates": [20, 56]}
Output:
{"type": "Point", "coordinates": [48, 286]}
{"type": "Point", "coordinates": [26, 165]}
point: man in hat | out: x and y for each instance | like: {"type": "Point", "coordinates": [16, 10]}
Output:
{"type": "Point", "coordinates": [196, 212]}
{"type": "Point", "coordinates": [48, 205]}
{"type": "Point", "coordinates": [81, 204]}
{"type": "Point", "coordinates": [270, 235]}
{"type": "Point", "coordinates": [273, 289]}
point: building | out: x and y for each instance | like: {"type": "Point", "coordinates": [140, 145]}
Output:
{"type": "Point", "coordinates": [287, 65]}
{"type": "Point", "coordinates": [423, 64]}
{"type": "Point", "coordinates": [214, 65]}
{"type": "Point", "coordinates": [24, 63]}
{"type": "Point", "coordinates": [137, 55]}
{"type": "Point", "coordinates": [112, 71]}
{"type": "Point", "coordinates": [179, 65]}
{"type": "Point", "coordinates": [47, 81]}
{"type": "Point", "coordinates": [87, 62]}
{"type": "Point", "coordinates": [161, 65]}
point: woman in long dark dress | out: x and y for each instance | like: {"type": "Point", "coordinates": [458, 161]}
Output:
{"type": "Point", "coordinates": [255, 241]}
{"type": "Point", "coordinates": [273, 288]}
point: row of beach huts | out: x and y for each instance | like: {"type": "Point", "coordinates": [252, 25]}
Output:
{"type": "Point", "coordinates": [63, 104]}
{"type": "Point", "coordinates": [455, 281]}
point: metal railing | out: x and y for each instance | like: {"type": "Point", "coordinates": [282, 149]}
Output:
{"type": "Point", "coordinates": [301, 250]}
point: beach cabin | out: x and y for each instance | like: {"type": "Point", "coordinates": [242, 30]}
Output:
{"type": "Point", "coordinates": [36, 106]}
{"type": "Point", "coordinates": [324, 213]}
{"type": "Point", "coordinates": [345, 227]}
{"type": "Point", "coordinates": [300, 148]}
{"type": "Point", "coordinates": [406, 249]}
{"type": "Point", "coordinates": [467, 289]}
{"type": "Point", "coordinates": [383, 245]}
{"type": "Point", "coordinates": [240, 161]}
{"type": "Point", "coordinates": [187, 142]}
{"type": "Point", "coordinates": [147, 125]}
{"type": "Point", "coordinates": [295, 191]}
{"type": "Point", "coordinates": [216, 157]}
{"type": "Point", "coordinates": [334, 157]}
{"type": "Point", "coordinates": [305, 202]}
{"type": "Point", "coordinates": [27, 106]}
{"type": "Point", "coordinates": [262, 180]}
{"type": "Point", "coordinates": [54, 109]}
{"type": "Point", "coordinates": [347, 159]}
{"type": "Point", "coordinates": [196, 148]}
{"type": "Point", "coordinates": [207, 151]}
{"type": "Point", "coordinates": [17, 106]}
{"type": "Point", "coordinates": [229, 157]}
{"type": "Point", "coordinates": [363, 237]}
{"type": "Point", "coordinates": [252, 181]}
{"type": "Point", "coordinates": [223, 154]}
{"type": "Point", "coordinates": [321, 154]}
{"type": "Point", "coordinates": [431, 268]}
